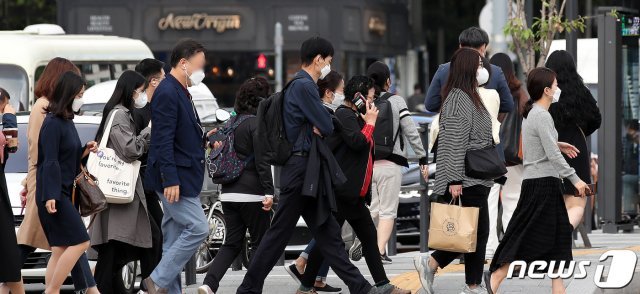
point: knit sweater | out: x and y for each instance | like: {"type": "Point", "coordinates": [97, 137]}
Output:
{"type": "Point", "coordinates": [541, 155]}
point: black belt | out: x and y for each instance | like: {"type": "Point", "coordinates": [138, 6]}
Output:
{"type": "Point", "coordinates": [301, 154]}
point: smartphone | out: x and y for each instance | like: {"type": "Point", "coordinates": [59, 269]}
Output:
{"type": "Point", "coordinates": [360, 102]}
{"type": "Point", "coordinates": [592, 191]}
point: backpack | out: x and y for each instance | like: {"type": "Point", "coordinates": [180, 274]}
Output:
{"type": "Point", "coordinates": [276, 148]}
{"type": "Point", "coordinates": [223, 163]}
{"type": "Point", "coordinates": [383, 135]}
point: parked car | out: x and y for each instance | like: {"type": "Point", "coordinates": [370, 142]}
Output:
{"type": "Point", "coordinates": [97, 96]}
{"type": "Point", "coordinates": [16, 170]}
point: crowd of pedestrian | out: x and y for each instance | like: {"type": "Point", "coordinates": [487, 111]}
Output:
{"type": "Point", "coordinates": [339, 155]}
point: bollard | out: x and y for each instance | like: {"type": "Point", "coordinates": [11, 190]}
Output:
{"type": "Point", "coordinates": [425, 205]}
{"type": "Point", "coordinates": [190, 271]}
{"type": "Point", "coordinates": [392, 245]}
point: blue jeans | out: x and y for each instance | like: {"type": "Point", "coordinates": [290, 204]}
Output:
{"type": "Point", "coordinates": [184, 228]}
{"type": "Point", "coordinates": [324, 268]}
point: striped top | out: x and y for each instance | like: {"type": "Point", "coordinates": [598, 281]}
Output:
{"type": "Point", "coordinates": [463, 127]}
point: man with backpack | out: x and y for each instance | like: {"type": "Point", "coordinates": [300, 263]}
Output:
{"type": "Point", "coordinates": [393, 126]}
{"type": "Point", "coordinates": [300, 115]}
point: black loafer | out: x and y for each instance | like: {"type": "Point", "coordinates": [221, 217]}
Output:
{"type": "Point", "coordinates": [328, 288]}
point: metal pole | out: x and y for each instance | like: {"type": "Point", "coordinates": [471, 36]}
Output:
{"type": "Point", "coordinates": [278, 42]}
{"type": "Point", "coordinates": [571, 13]}
{"type": "Point", "coordinates": [425, 206]}
{"type": "Point", "coordinates": [609, 141]}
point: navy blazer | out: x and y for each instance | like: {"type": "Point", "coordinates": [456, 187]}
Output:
{"type": "Point", "coordinates": [176, 153]}
{"type": "Point", "coordinates": [433, 100]}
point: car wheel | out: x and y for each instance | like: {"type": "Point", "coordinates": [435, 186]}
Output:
{"type": "Point", "coordinates": [209, 248]}
{"type": "Point", "coordinates": [126, 281]}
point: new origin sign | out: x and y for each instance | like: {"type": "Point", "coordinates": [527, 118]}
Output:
{"type": "Point", "coordinates": [200, 21]}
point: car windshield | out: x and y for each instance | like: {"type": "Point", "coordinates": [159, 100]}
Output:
{"type": "Point", "coordinates": [17, 163]}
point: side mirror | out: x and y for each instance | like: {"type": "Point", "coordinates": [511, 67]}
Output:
{"type": "Point", "coordinates": [222, 115]}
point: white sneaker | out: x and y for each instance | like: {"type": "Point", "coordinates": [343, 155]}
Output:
{"type": "Point", "coordinates": [425, 273]}
{"type": "Point", "coordinates": [355, 252]}
{"type": "Point", "coordinates": [478, 290]}
{"type": "Point", "coordinates": [204, 289]}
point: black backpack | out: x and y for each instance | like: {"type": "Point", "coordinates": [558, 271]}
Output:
{"type": "Point", "coordinates": [384, 135]}
{"type": "Point", "coordinates": [275, 148]}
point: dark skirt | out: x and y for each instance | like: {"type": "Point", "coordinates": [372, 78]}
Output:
{"type": "Point", "coordinates": [11, 263]}
{"type": "Point", "coordinates": [539, 228]}
{"type": "Point", "coordinates": [65, 227]}
{"type": "Point", "coordinates": [582, 163]}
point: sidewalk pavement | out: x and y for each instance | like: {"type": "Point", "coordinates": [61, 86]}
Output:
{"type": "Point", "coordinates": [450, 280]}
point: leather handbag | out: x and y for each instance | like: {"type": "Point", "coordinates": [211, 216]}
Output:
{"type": "Point", "coordinates": [91, 198]}
{"type": "Point", "coordinates": [484, 164]}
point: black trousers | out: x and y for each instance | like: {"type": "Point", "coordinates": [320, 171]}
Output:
{"type": "Point", "coordinates": [359, 217]}
{"type": "Point", "coordinates": [112, 256]}
{"type": "Point", "coordinates": [291, 206]}
{"type": "Point", "coordinates": [475, 196]}
{"type": "Point", "coordinates": [149, 258]}
{"type": "Point", "coordinates": [238, 216]}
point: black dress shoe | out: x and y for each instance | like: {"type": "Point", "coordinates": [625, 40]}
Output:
{"type": "Point", "coordinates": [328, 288]}
{"type": "Point", "coordinates": [293, 272]}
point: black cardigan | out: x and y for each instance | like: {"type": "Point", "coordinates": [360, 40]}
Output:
{"type": "Point", "coordinates": [351, 150]}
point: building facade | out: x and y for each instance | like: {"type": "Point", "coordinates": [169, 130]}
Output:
{"type": "Point", "coordinates": [239, 35]}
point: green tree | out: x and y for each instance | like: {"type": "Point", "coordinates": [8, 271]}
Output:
{"type": "Point", "coordinates": [17, 14]}
{"type": "Point", "coordinates": [529, 42]}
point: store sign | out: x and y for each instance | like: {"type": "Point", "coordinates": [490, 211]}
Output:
{"type": "Point", "coordinates": [377, 25]}
{"type": "Point", "coordinates": [100, 24]}
{"type": "Point", "coordinates": [298, 23]}
{"type": "Point", "coordinates": [200, 21]}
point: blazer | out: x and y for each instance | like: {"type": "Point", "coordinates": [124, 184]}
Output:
{"type": "Point", "coordinates": [176, 152]}
{"type": "Point", "coordinates": [497, 81]}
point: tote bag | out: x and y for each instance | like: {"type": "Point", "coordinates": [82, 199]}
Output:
{"type": "Point", "coordinates": [116, 178]}
{"type": "Point", "coordinates": [453, 228]}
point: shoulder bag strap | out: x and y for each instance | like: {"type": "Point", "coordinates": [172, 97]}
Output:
{"type": "Point", "coordinates": [107, 130]}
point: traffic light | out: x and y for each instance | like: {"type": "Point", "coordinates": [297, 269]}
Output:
{"type": "Point", "coordinates": [261, 61]}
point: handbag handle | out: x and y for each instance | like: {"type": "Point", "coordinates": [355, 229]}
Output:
{"type": "Point", "coordinates": [107, 130]}
{"type": "Point", "coordinates": [453, 201]}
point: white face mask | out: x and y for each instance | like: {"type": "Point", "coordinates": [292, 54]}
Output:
{"type": "Point", "coordinates": [482, 75]}
{"type": "Point", "coordinates": [325, 71]}
{"type": "Point", "coordinates": [338, 99]}
{"type": "Point", "coordinates": [141, 101]}
{"type": "Point", "coordinates": [556, 95]}
{"type": "Point", "coordinates": [195, 77]}
{"type": "Point", "coordinates": [77, 104]}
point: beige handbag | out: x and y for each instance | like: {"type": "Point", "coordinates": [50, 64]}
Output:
{"type": "Point", "coordinates": [453, 228]}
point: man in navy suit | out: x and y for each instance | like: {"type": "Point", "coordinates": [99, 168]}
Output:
{"type": "Point", "coordinates": [175, 167]}
{"type": "Point", "coordinates": [474, 38]}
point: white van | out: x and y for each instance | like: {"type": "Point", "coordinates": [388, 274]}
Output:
{"type": "Point", "coordinates": [25, 54]}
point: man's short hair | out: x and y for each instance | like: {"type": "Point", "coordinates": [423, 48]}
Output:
{"type": "Point", "coordinates": [149, 67]}
{"type": "Point", "coordinates": [473, 37]}
{"type": "Point", "coordinates": [185, 49]}
{"type": "Point", "coordinates": [314, 46]}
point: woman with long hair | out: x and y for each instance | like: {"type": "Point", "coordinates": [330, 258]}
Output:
{"type": "Point", "coordinates": [540, 228]}
{"type": "Point", "coordinates": [59, 155]}
{"type": "Point", "coordinates": [247, 201]}
{"type": "Point", "coordinates": [575, 116]}
{"type": "Point", "coordinates": [122, 232]}
{"type": "Point", "coordinates": [10, 276]}
{"type": "Point", "coordinates": [30, 235]}
{"type": "Point", "coordinates": [465, 124]}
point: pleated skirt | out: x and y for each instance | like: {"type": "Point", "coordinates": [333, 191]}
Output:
{"type": "Point", "coordinates": [539, 228]}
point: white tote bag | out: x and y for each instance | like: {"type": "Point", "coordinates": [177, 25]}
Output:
{"type": "Point", "coordinates": [116, 178]}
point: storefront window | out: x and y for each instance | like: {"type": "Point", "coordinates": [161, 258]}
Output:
{"type": "Point", "coordinates": [631, 127]}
